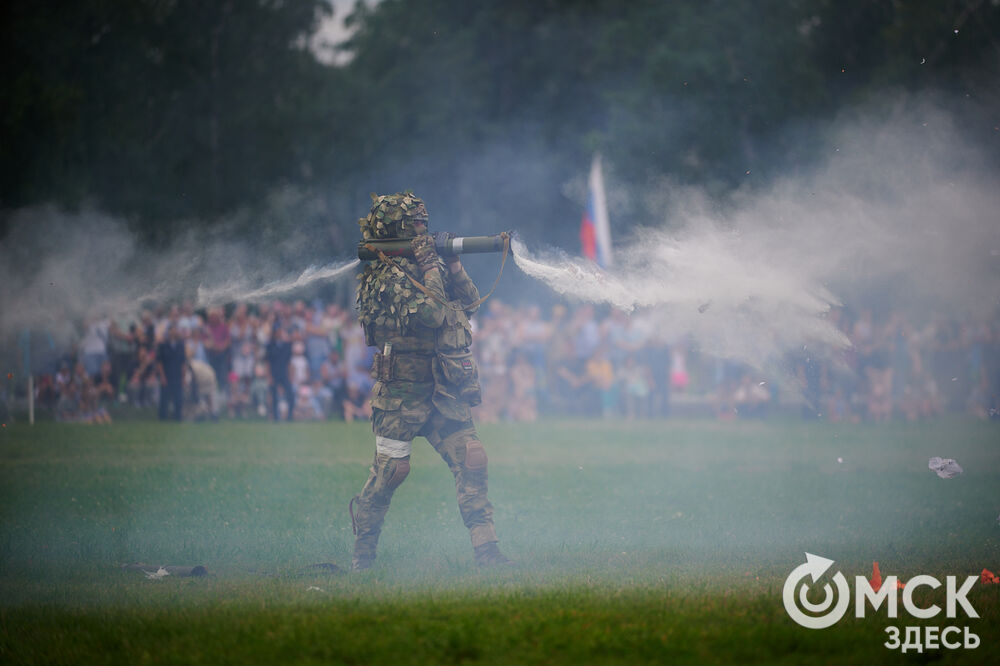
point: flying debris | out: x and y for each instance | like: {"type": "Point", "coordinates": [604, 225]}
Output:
{"type": "Point", "coordinates": [946, 468]}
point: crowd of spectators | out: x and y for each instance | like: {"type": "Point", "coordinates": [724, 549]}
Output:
{"type": "Point", "coordinates": [584, 362]}
{"type": "Point", "coordinates": [277, 360]}
{"type": "Point", "coordinates": [303, 361]}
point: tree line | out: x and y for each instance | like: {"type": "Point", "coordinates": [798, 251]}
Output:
{"type": "Point", "coordinates": [173, 113]}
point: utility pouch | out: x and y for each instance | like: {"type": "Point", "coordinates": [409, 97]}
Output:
{"type": "Point", "coordinates": [459, 376]}
{"type": "Point", "coordinates": [455, 332]}
{"type": "Point", "coordinates": [382, 367]}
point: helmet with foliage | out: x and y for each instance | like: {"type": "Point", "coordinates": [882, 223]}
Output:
{"type": "Point", "coordinates": [393, 216]}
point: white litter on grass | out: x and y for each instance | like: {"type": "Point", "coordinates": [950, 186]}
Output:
{"type": "Point", "coordinates": [313, 588]}
{"type": "Point", "coordinates": [156, 575]}
{"type": "Point", "coordinates": [946, 468]}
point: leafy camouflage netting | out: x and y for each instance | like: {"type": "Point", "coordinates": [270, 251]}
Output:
{"type": "Point", "coordinates": [393, 216]}
{"type": "Point", "coordinates": [386, 297]}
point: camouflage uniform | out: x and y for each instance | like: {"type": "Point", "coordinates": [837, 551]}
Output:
{"type": "Point", "coordinates": [425, 385]}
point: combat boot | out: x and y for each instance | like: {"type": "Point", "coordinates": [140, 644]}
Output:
{"type": "Point", "coordinates": [366, 538]}
{"type": "Point", "coordinates": [488, 555]}
{"type": "Point", "coordinates": [361, 563]}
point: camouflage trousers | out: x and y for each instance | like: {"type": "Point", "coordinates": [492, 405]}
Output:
{"type": "Point", "coordinates": [455, 441]}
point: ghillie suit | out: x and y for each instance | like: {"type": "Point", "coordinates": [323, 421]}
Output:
{"type": "Point", "coordinates": [415, 312]}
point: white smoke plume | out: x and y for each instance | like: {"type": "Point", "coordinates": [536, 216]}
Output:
{"type": "Point", "coordinates": [239, 291]}
{"type": "Point", "coordinates": [902, 214]}
{"type": "Point", "coordinates": [58, 268]}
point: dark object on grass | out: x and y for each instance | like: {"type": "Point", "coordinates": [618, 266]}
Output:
{"type": "Point", "coordinates": [159, 571]}
{"type": "Point", "coordinates": [321, 569]}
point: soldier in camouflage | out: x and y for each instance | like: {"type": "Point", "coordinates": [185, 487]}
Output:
{"type": "Point", "coordinates": [415, 313]}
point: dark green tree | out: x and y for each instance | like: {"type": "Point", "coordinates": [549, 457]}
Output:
{"type": "Point", "coordinates": [160, 110]}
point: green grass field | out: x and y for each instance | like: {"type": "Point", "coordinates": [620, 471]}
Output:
{"type": "Point", "coordinates": [655, 542]}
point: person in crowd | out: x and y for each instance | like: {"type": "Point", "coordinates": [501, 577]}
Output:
{"type": "Point", "coordinates": [307, 404]}
{"type": "Point", "coordinates": [260, 387]}
{"type": "Point", "coordinates": [317, 339]}
{"type": "Point", "coordinates": [299, 369]}
{"type": "Point", "coordinates": [636, 381]}
{"type": "Point", "coordinates": [194, 342]}
{"type": "Point", "coordinates": [145, 333]}
{"type": "Point", "coordinates": [240, 327]}
{"type": "Point", "coordinates": [204, 390]}
{"type": "Point", "coordinates": [189, 320]}
{"type": "Point", "coordinates": [171, 361]}
{"type": "Point", "coordinates": [492, 357]}
{"type": "Point", "coordinates": [357, 405]}
{"type": "Point", "coordinates": [240, 402]}
{"type": "Point", "coordinates": [601, 386]}
{"type": "Point", "coordinates": [143, 385]}
{"type": "Point", "coordinates": [45, 392]}
{"type": "Point", "coordinates": [105, 385]}
{"type": "Point", "coordinates": [323, 396]}
{"type": "Point", "coordinates": [68, 404]}
{"type": "Point", "coordinates": [217, 344]}
{"type": "Point", "coordinates": [63, 378]}
{"type": "Point", "coordinates": [333, 375]}
{"type": "Point", "coordinates": [679, 377]}
{"type": "Point", "coordinates": [523, 405]}
{"type": "Point", "coordinates": [94, 345]}
{"type": "Point", "coordinates": [279, 360]}
{"type": "Point", "coordinates": [244, 359]}
{"type": "Point", "coordinates": [122, 349]}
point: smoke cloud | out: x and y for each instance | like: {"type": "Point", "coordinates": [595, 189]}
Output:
{"type": "Point", "coordinates": [57, 268]}
{"type": "Point", "coordinates": [901, 213]}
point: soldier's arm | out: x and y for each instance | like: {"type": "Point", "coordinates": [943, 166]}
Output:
{"type": "Point", "coordinates": [430, 313]}
{"type": "Point", "coordinates": [460, 285]}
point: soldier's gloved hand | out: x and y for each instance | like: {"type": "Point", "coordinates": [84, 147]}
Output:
{"type": "Point", "coordinates": [424, 252]}
{"type": "Point", "coordinates": [452, 260]}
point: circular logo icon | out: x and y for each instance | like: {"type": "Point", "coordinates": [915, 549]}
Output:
{"type": "Point", "coordinates": [815, 567]}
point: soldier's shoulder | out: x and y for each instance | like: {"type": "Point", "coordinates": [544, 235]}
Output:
{"type": "Point", "coordinates": [387, 296]}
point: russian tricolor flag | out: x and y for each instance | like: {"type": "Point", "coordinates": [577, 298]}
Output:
{"type": "Point", "coordinates": [595, 228]}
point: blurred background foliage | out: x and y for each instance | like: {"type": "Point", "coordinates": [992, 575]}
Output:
{"type": "Point", "coordinates": [175, 114]}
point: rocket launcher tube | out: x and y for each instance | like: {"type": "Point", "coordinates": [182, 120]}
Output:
{"type": "Point", "coordinates": [400, 247]}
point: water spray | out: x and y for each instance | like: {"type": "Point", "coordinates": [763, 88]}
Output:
{"type": "Point", "coordinates": [238, 292]}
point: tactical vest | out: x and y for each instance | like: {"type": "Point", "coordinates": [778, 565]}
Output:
{"type": "Point", "coordinates": [439, 355]}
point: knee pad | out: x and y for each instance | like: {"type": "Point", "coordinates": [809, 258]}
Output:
{"type": "Point", "coordinates": [400, 470]}
{"type": "Point", "coordinates": [475, 456]}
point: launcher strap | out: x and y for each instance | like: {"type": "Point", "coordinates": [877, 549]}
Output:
{"type": "Point", "coordinates": [427, 292]}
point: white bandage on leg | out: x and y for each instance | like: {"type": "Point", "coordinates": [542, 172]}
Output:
{"type": "Point", "coordinates": [394, 448]}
